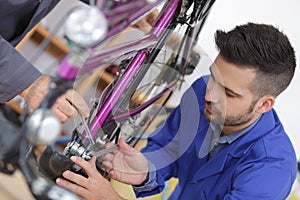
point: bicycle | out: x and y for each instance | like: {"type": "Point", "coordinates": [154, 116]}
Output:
{"type": "Point", "coordinates": [124, 101]}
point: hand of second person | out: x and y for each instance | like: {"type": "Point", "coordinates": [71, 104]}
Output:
{"type": "Point", "coordinates": [67, 106]}
{"type": "Point", "coordinates": [147, 22]}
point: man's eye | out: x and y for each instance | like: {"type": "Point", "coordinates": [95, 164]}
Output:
{"type": "Point", "coordinates": [229, 94]}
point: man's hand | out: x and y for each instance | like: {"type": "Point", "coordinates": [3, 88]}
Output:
{"type": "Point", "coordinates": [147, 22]}
{"type": "Point", "coordinates": [95, 187]}
{"type": "Point", "coordinates": [67, 106]}
{"type": "Point", "coordinates": [126, 165]}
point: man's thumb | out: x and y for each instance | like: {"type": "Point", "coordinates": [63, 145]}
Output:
{"type": "Point", "coordinates": [125, 148]}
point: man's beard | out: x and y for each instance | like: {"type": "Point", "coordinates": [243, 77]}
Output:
{"type": "Point", "coordinates": [217, 118]}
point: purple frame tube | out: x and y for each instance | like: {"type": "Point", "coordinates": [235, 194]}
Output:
{"type": "Point", "coordinates": [104, 55]}
{"type": "Point", "coordinates": [138, 60]}
{"type": "Point", "coordinates": [69, 71]}
{"type": "Point", "coordinates": [143, 106]}
{"type": "Point", "coordinates": [117, 93]}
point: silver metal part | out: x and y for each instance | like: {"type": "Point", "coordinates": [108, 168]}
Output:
{"type": "Point", "coordinates": [43, 127]}
{"type": "Point", "coordinates": [86, 26]}
{"type": "Point", "coordinates": [76, 149]}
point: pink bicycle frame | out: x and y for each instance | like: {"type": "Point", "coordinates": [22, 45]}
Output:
{"type": "Point", "coordinates": [69, 72]}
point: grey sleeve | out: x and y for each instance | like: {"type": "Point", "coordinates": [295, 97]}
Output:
{"type": "Point", "coordinates": [16, 73]}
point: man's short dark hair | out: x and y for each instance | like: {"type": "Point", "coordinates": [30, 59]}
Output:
{"type": "Point", "coordinates": [264, 49]}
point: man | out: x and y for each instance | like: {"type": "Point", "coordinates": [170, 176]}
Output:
{"type": "Point", "coordinates": [224, 140]}
{"type": "Point", "coordinates": [17, 75]}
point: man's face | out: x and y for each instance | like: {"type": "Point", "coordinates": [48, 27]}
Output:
{"type": "Point", "coordinates": [229, 102]}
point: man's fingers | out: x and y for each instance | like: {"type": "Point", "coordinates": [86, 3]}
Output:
{"type": "Point", "coordinates": [68, 105]}
{"type": "Point", "coordinates": [61, 116]}
{"type": "Point", "coordinates": [88, 167]}
{"type": "Point", "coordinates": [152, 17]}
{"type": "Point", "coordinates": [76, 178]}
{"type": "Point", "coordinates": [113, 175]}
{"type": "Point", "coordinates": [63, 104]}
{"type": "Point", "coordinates": [126, 148]}
{"type": "Point", "coordinates": [72, 187]}
{"type": "Point", "coordinates": [78, 102]}
{"type": "Point", "coordinates": [108, 157]}
{"type": "Point", "coordinates": [107, 165]}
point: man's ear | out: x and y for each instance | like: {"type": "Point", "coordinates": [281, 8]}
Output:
{"type": "Point", "coordinates": [265, 104]}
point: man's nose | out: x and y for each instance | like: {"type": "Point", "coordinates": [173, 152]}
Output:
{"type": "Point", "coordinates": [212, 93]}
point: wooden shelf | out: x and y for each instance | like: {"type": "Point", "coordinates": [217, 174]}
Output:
{"type": "Point", "coordinates": [56, 46]}
{"type": "Point", "coordinates": [59, 48]}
